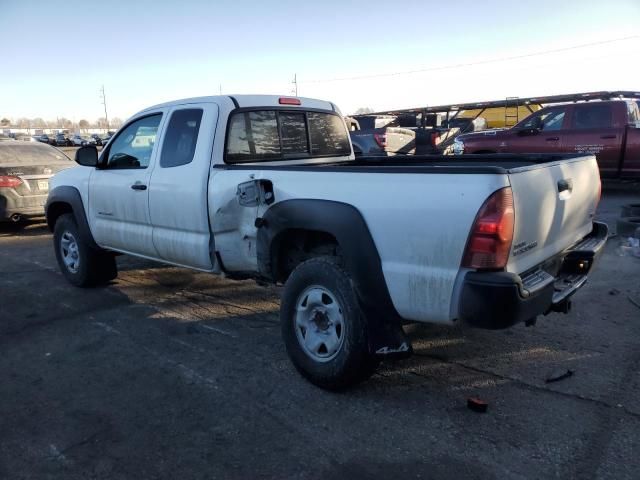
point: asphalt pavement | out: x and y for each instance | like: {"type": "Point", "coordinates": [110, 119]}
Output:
{"type": "Point", "coordinates": [169, 373]}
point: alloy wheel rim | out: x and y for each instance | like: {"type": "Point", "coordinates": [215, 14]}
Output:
{"type": "Point", "coordinates": [69, 252]}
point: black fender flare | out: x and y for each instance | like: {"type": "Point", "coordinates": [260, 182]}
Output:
{"type": "Point", "coordinates": [66, 195]}
{"type": "Point", "coordinates": [360, 254]}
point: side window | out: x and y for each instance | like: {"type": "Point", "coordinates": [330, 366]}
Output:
{"type": "Point", "coordinates": [548, 120]}
{"type": "Point", "coordinates": [592, 116]}
{"type": "Point", "coordinates": [133, 146]}
{"type": "Point", "coordinates": [180, 140]}
{"type": "Point", "coordinates": [553, 121]}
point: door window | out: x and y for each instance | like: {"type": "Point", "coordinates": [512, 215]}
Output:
{"type": "Point", "coordinates": [549, 120]}
{"type": "Point", "coordinates": [179, 144]}
{"type": "Point", "coordinates": [133, 146]}
{"type": "Point", "coordinates": [592, 116]}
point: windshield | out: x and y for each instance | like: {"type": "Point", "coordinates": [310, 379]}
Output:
{"type": "Point", "coordinates": [11, 154]}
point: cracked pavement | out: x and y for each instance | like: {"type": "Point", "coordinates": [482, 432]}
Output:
{"type": "Point", "coordinates": [168, 373]}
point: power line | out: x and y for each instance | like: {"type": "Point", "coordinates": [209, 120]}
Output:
{"type": "Point", "coordinates": [471, 64]}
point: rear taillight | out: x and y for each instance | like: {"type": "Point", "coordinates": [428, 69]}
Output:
{"type": "Point", "coordinates": [9, 181]}
{"type": "Point", "coordinates": [381, 139]}
{"type": "Point", "coordinates": [492, 233]}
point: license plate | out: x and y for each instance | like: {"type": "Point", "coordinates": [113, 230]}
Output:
{"type": "Point", "coordinates": [43, 185]}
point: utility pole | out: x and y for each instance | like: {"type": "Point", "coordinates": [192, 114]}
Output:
{"type": "Point", "coordinates": [295, 83]}
{"type": "Point", "coordinates": [220, 85]}
{"type": "Point", "coordinates": [104, 102]}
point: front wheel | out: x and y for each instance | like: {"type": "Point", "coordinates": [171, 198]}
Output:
{"type": "Point", "coordinates": [82, 265]}
{"type": "Point", "coordinates": [323, 328]}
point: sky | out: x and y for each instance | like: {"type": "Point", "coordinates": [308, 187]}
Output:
{"type": "Point", "coordinates": [55, 59]}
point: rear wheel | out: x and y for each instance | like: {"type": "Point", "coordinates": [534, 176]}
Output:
{"type": "Point", "coordinates": [82, 265]}
{"type": "Point", "coordinates": [323, 328]}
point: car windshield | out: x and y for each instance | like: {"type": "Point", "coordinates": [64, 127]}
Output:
{"type": "Point", "coordinates": [27, 154]}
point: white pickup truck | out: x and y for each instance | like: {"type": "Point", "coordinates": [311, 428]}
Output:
{"type": "Point", "coordinates": [268, 187]}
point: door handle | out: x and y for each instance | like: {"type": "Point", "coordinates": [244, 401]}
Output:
{"type": "Point", "coordinates": [608, 136]}
{"type": "Point", "coordinates": [139, 186]}
{"type": "Point", "coordinates": [553, 139]}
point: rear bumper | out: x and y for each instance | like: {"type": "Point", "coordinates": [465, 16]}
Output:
{"type": "Point", "coordinates": [27, 206]}
{"type": "Point", "coordinates": [496, 300]}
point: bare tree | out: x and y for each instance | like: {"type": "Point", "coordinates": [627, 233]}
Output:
{"type": "Point", "coordinates": [5, 122]}
{"type": "Point", "coordinates": [102, 123]}
{"type": "Point", "coordinates": [83, 124]}
{"type": "Point", "coordinates": [38, 123]}
{"type": "Point", "coordinates": [23, 123]}
{"type": "Point", "coordinates": [115, 122]}
{"type": "Point", "coordinates": [363, 110]}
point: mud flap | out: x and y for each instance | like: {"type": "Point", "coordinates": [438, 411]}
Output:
{"type": "Point", "coordinates": [387, 340]}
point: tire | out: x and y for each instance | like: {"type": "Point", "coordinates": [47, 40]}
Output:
{"type": "Point", "coordinates": [631, 210]}
{"type": "Point", "coordinates": [335, 355]}
{"type": "Point", "coordinates": [82, 265]}
{"type": "Point", "coordinates": [627, 226]}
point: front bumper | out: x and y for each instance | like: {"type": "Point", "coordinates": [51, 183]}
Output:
{"type": "Point", "coordinates": [496, 300]}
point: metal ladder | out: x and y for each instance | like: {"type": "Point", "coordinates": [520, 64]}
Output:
{"type": "Point", "coordinates": [511, 111]}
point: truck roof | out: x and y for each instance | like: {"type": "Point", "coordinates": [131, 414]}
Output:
{"type": "Point", "coordinates": [240, 101]}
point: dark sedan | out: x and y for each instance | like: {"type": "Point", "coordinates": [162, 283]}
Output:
{"type": "Point", "coordinates": [62, 140]}
{"type": "Point", "coordinates": [25, 169]}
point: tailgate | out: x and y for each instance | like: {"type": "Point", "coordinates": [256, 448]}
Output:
{"type": "Point", "coordinates": [554, 206]}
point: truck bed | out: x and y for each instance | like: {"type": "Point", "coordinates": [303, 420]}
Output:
{"type": "Point", "coordinates": [495, 163]}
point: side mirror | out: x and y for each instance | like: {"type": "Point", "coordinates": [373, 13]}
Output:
{"type": "Point", "coordinates": [87, 156]}
{"type": "Point", "coordinates": [534, 127]}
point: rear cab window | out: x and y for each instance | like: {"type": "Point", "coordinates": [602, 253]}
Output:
{"type": "Point", "coordinates": [262, 135]}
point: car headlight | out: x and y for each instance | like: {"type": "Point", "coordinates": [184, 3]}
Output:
{"type": "Point", "coordinates": [458, 147]}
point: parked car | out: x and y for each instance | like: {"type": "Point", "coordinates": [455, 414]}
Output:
{"type": "Point", "coordinates": [107, 137]}
{"type": "Point", "coordinates": [361, 244]}
{"type": "Point", "coordinates": [374, 135]}
{"type": "Point", "coordinates": [25, 170]}
{"type": "Point", "coordinates": [608, 129]}
{"type": "Point", "coordinates": [61, 140]}
{"type": "Point", "coordinates": [44, 138]}
{"type": "Point", "coordinates": [80, 141]}
{"type": "Point", "coordinates": [97, 139]}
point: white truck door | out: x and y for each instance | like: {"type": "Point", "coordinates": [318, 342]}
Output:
{"type": "Point", "coordinates": [118, 191]}
{"type": "Point", "coordinates": [178, 188]}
